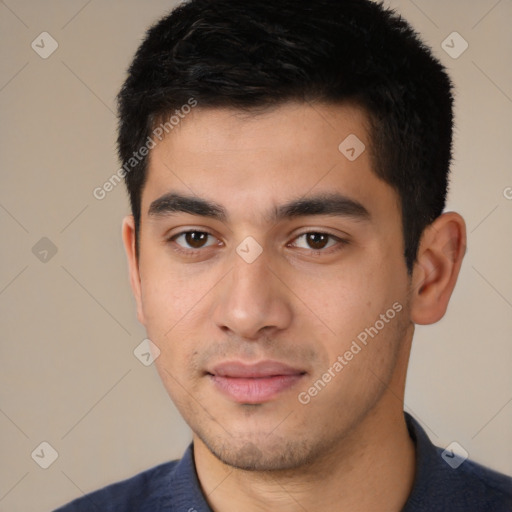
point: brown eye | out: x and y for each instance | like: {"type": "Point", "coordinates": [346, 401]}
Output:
{"type": "Point", "coordinates": [192, 240]}
{"type": "Point", "coordinates": [317, 241]}
{"type": "Point", "coordinates": [196, 239]}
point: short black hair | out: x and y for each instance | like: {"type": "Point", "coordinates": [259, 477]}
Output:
{"type": "Point", "coordinates": [254, 54]}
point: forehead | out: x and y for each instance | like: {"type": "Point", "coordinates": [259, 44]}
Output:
{"type": "Point", "coordinates": [252, 163]}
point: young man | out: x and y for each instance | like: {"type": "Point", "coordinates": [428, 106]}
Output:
{"type": "Point", "coordinates": [287, 167]}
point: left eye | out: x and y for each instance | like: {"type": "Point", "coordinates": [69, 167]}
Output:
{"type": "Point", "coordinates": [317, 240]}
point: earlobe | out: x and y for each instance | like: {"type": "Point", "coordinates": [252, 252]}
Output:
{"type": "Point", "coordinates": [128, 233]}
{"type": "Point", "coordinates": [437, 267]}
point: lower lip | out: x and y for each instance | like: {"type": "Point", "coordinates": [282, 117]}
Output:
{"type": "Point", "coordinates": [255, 390]}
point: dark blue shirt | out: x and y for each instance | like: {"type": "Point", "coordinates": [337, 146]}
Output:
{"type": "Point", "coordinates": [173, 486]}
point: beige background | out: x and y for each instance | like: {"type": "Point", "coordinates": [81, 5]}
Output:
{"type": "Point", "coordinates": [68, 375]}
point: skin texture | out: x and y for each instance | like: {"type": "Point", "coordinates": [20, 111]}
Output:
{"type": "Point", "coordinates": [348, 447]}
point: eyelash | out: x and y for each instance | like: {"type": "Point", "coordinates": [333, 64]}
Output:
{"type": "Point", "coordinates": [341, 243]}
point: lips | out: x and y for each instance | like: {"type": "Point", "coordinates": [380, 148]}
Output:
{"type": "Point", "coordinates": [255, 383]}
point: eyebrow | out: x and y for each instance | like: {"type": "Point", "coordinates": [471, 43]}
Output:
{"type": "Point", "coordinates": [332, 204]}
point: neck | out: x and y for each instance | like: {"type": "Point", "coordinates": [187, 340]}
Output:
{"type": "Point", "coordinates": [371, 468]}
{"type": "Point", "coordinates": [372, 472]}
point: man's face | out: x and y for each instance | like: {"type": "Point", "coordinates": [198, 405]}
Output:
{"type": "Point", "coordinates": [244, 335]}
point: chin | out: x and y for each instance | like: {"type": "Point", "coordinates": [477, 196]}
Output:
{"type": "Point", "coordinates": [263, 454]}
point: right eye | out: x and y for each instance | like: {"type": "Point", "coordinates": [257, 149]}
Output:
{"type": "Point", "coordinates": [192, 240]}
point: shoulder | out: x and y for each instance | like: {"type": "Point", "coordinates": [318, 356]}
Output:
{"type": "Point", "coordinates": [141, 492]}
{"type": "Point", "coordinates": [478, 487]}
{"type": "Point", "coordinates": [443, 482]}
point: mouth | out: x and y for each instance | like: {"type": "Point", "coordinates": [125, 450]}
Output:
{"type": "Point", "coordinates": [254, 383]}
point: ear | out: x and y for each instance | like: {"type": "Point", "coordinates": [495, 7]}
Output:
{"type": "Point", "coordinates": [440, 254]}
{"type": "Point", "coordinates": [128, 232]}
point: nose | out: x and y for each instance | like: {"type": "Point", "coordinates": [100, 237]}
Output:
{"type": "Point", "coordinates": [252, 300]}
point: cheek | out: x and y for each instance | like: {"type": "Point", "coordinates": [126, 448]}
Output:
{"type": "Point", "coordinates": [350, 303]}
{"type": "Point", "coordinates": [168, 293]}
{"type": "Point", "coordinates": [174, 305]}
{"type": "Point", "coordinates": [365, 365]}
{"type": "Point", "coordinates": [345, 300]}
